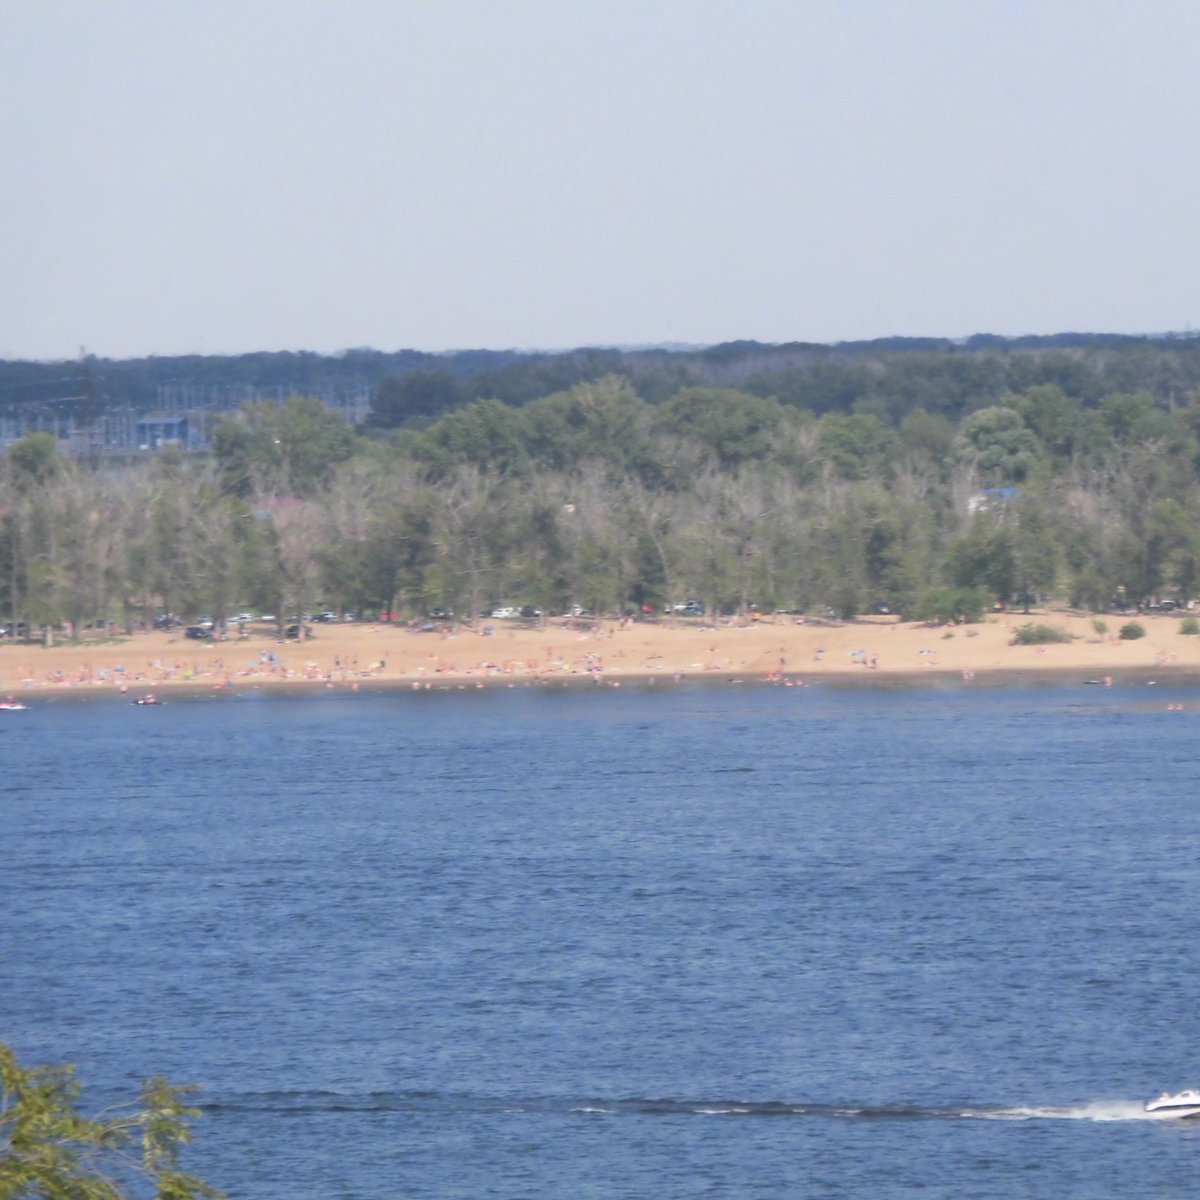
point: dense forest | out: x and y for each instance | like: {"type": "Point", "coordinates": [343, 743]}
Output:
{"type": "Point", "coordinates": [888, 376]}
{"type": "Point", "coordinates": [930, 478]}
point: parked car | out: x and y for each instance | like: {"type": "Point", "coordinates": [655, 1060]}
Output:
{"type": "Point", "coordinates": [693, 608]}
{"type": "Point", "coordinates": [528, 611]}
{"type": "Point", "coordinates": [507, 613]}
{"type": "Point", "coordinates": [198, 633]}
{"type": "Point", "coordinates": [325, 618]}
{"type": "Point", "coordinates": [293, 631]}
{"type": "Point", "coordinates": [440, 614]}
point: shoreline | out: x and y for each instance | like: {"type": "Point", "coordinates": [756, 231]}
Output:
{"type": "Point", "coordinates": [872, 652]}
{"type": "Point", "coordinates": [1056, 678]}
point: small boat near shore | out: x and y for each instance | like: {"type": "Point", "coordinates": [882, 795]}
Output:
{"type": "Point", "coordinates": [148, 699]}
{"type": "Point", "coordinates": [1179, 1104]}
{"type": "Point", "coordinates": [11, 705]}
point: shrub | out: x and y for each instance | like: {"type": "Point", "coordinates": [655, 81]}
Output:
{"type": "Point", "coordinates": [1131, 631]}
{"type": "Point", "coordinates": [1039, 635]}
{"type": "Point", "coordinates": [1101, 627]}
{"type": "Point", "coordinates": [1189, 626]}
{"type": "Point", "coordinates": [948, 604]}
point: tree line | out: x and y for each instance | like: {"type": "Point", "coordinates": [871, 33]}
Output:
{"type": "Point", "coordinates": [889, 376]}
{"type": "Point", "coordinates": [593, 497]}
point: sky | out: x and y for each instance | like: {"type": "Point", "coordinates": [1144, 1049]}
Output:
{"type": "Point", "coordinates": [226, 176]}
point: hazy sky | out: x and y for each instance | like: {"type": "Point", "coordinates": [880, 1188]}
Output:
{"type": "Point", "coordinates": [234, 175]}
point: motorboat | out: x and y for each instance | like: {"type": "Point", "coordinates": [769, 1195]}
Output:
{"type": "Point", "coordinates": [148, 698]}
{"type": "Point", "coordinates": [1179, 1104]}
{"type": "Point", "coordinates": [11, 705]}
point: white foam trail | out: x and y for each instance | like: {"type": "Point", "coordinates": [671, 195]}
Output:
{"type": "Point", "coordinates": [1093, 1110]}
{"type": "Point", "coordinates": [594, 1110]}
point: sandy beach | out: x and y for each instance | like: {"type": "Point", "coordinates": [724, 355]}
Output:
{"type": "Point", "coordinates": [780, 650]}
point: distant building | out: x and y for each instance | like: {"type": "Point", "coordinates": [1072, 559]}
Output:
{"type": "Point", "coordinates": [159, 429]}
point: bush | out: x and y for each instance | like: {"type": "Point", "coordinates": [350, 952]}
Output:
{"type": "Point", "coordinates": [1189, 626]}
{"type": "Point", "coordinates": [1101, 627]}
{"type": "Point", "coordinates": [948, 604]}
{"type": "Point", "coordinates": [1039, 635]}
{"type": "Point", "coordinates": [1131, 631]}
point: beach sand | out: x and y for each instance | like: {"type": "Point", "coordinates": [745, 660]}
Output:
{"type": "Point", "coordinates": [779, 649]}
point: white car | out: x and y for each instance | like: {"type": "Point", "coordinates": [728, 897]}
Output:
{"type": "Point", "coordinates": [504, 614]}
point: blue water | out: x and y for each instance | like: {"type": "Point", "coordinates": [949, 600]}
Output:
{"type": "Point", "coordinates": [710, 941]}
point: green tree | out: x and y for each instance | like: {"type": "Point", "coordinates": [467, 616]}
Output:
{"type": "Point", "coordinates": [288, 449]}
{"type": "Point", "coordinates": [927, 437]}
{"type": "Point", "coordinates": [857, 445]}
{"type": "Point", "coordinates": [473, 535]}
{"type": "Point", "coordinates": [1171, 548]}
{"type": "Point", "coordinates": [420, 396]}
{"type": "Point", "coordinates": [654, 520]}
{"type": "Point", "coordinates": [1034, 548]}
{"type": "Point", "coordinates": [948, 604]}
{"type": "Point", "coordinates": [1133, 417]}
{"type": "Point", "coordinates": [735, 427]}
{"type": "Point", "coordinates": [293, 534]}
{"type": "Point", "coordinates": [403, 550]}
{"type": "Point", "coordinates": [216, 534]}
{"type": "Point", "coordinates": [1055, 417]}
{"type": "Point", "coordinates": [35, 458]}
{"type": "Point", "coordinates": [161, 550]}
{"type": "Point", "coordinates": [35, 480]}
{"type": "Point", "coordinates": [599, 543]}
{"type": "Point", "coordinates": [50, 1151]}
{"type": "Point", "coordinates": [999, 443]}
{"type": "Point", "coordinates": [895, 546]}
{"type": "Point", "coordinates": [604, 419]}
{"type": "Point", "coordinates": [840, 562]}
{"type": "Point", "coordinates": [985, 556]}
{"type": "Point", "coordinates": [539, 562]}
{"type": "Point", "coordinates": [487, 435]}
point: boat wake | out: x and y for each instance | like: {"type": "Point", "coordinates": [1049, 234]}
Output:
{"type": "Point", "coordinates": [308, 1103]}
{"type": "Point", "coordinates": [1094, 1110]}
